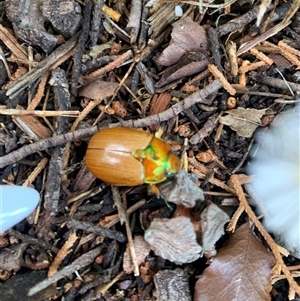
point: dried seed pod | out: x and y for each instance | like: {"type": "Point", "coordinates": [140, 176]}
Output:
{"type": "Point", "coordinates": [231, 103]}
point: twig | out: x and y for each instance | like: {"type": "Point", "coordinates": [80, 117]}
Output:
{"type": "Point", "coordinates": [111, 66]}
{"type": "Point", "coordinates": [41, 166]}
{"type": "Point", "coordinates": [96, 21]}
{"type": "Point", "coordinates": [91, 228]}
{"type": "Point", "coordinates": [79, 49]}
{"type": "Point", "coordinates": [41, 68]}
{"type": "Point", "coordinates": [39, 113]}
{"type": "Point", "coordinates": [83, 261]}
{"type": "Point", "coordinates": [173, 111]}
{"type": "Point", "coordinates": [60, 89]}
{"type": "Point", "coordinates": [134, 22]}
{"type": "Point", "coordinates": [124, 218]}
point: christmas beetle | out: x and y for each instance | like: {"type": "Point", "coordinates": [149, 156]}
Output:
{"type": "Point", "coordinates": [130, 157]}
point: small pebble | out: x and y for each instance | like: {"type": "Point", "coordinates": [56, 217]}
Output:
{"type": "Point", "coordinates": [178, 11]}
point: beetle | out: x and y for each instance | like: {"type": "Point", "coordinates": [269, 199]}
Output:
{"type": "Point", "coordinates": [130, 157]}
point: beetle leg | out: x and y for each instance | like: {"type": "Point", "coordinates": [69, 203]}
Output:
{"type": "Point", "coordinates": [155, 189]}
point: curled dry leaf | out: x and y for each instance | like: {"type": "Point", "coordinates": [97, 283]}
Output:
{"type": "Point", "coordinates": [172, 285]}
{"type": "Point", "coordinates": [243, 121]}
{"type": "Point", "coordinates": [187, 35]}
{"type": "Point", "coordinates": [142, 249]}
{"type": "Point", "coordinates": [181, 190]}
{"type": "Point", "coordinates": [98, 89]}
{"type": "Point", "coordinates": [173, 239]}
{"type": "Point", "coordinates": [240, 271]}
{"type": "Point", "coordinates": [213, 219]}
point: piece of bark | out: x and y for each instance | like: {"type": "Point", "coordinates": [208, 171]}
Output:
{"type": "Point", "coordinates": [134, 20]}
{"type": "Point", "coordinates": [62, 102]}
{"type": "Point", "coordinates": [64, 15]}
{"type": "Point", "coordinates": [172, 285]}
{"type": "Point", "coordinates": [28, 23]}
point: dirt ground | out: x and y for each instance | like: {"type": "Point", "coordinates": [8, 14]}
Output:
{"type": "Point", "coordinates": [208, 86]}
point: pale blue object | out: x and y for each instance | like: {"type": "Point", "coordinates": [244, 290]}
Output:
{"type": "Point", "coordinates": [16, 203]}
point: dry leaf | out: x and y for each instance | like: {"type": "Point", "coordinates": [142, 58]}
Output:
{"type": "Point", "coordinates": [181, 190]}
{"type": "Point", "coordinates": [173, 239]}
{"type": "Point", "coordinates": [213, 219]}
{"type": "Point", "coordinates": [243, 121]}
{"type": "Point", "coordinates": [240, 271]}
{"type": "Point", "coordinates": [142, 249]}
{"type": "Point", "coordinates": [98, 89]}
{"type": "Point", "coordinates": [187, 35]}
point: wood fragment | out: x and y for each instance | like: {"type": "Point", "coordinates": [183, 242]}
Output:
{"type": "Point", "coordinates": [241, 21]}
{"type": "Point", "coordinates": [276, 82]}
{"type": "Point", "coordinates": [134, 22]}
{"type": "Point", "coordinates": [111, 66]}
{"type": "Point", "coordinates": [12, 44]}
{"type": "Point", "coordinates": [37, 113]}
{"type": "Point", "coordinates": [60, 89]}
{"type": "Point", "coordinates": [37, 170]}
{"type": "Point", "coordinates": [270, 33]}
{"type": "Point", "coordinates": [39, 94]}
{"type": "Point", "coordinates": [231, 51]}
{"type": "Point", "coordinates": [215, 47]}
{"type": "Point", "coordinates": [79, 49]}
{"type": "Point", "coordinates": [31, 125]}
{"type": "Point", "coordinates": [41, 68]}
{"type": "Point", "coordinates": [96, 21]}
{"type": "Point", "coordinates": [111, 13]}
{"type": "Point", "coordinates": [124, 219]}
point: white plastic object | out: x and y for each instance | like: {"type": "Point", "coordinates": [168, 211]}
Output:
{"type": "Point", "coordinates": [277, 184]}
{"type": "Point", "coordinates": [178, 11]}
{"type": "Point", "coordinates": [16, 203]}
